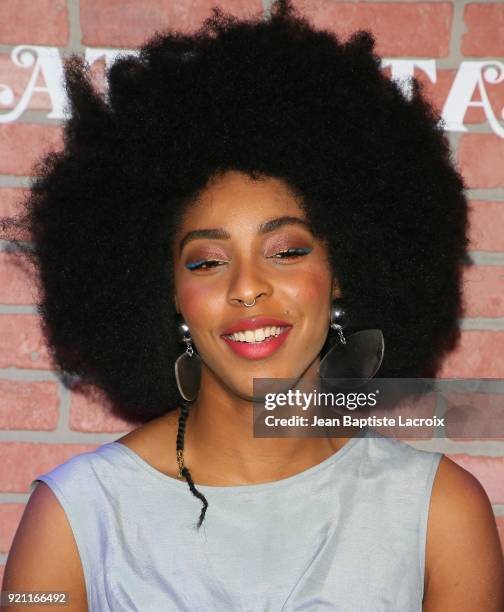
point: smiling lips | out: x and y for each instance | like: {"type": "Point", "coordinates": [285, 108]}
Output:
{"type": "Point", "coordinates": [256, 337]}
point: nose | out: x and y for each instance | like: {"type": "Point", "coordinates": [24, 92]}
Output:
{"type": "Point", "coordinates": [248, 285]}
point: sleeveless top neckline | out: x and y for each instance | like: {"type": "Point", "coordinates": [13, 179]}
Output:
{"type": "Point", "coordinates": [252, 488]}
{"type": "Point", "coordinates": [348, 533]}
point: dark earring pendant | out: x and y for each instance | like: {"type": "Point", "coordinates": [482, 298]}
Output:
{"type": "Point", "coordinates": [359, 355]}
{"type": "Point", "coordinates": [188, 368]}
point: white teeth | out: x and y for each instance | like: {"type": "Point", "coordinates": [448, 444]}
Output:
{"type": "Point", "coordinates": [256, 335]}
{"type": "Point", "coordinates": [259, 335]}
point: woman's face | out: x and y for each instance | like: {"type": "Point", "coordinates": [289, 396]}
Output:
{"type": "Point", "coordinates": [223, 258]}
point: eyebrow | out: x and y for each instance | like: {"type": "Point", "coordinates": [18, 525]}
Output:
{"type": "Point", "coordinates": [264, 228]}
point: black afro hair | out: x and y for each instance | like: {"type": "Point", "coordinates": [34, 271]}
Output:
{"type": "Point", "coordinates": [266, 96]}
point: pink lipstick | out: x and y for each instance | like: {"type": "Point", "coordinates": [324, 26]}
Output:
{"type": "Point", "coordinates": [252, 344]}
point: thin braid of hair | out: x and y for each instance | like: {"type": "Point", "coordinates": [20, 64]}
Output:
{"type": "Point", "coordinates": [184, 410]}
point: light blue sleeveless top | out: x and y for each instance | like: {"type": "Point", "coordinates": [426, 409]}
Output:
{"type": "Point", "coordinates": [347, 534]}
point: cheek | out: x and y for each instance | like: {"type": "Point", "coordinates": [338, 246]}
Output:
{"type": "Point", "coordinates": [195, 298]}
{"type": "Point", "coordinates": [192, 298]}
{"type": "Point", "coordinates": [312, 287]}
{"type": "Point", "coordinates": [311, 293]}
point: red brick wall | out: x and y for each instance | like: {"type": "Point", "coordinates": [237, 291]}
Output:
{"type": "Point", "coordinates": [41, 423]}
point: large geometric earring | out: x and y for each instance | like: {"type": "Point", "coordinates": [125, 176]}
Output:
{"type": "Point", "coordinates": [357, 356]}
{"type": "Point", "coordinates": [187, 366]}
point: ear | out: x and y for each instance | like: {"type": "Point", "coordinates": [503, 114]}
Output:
{"type": "Point", "coordinates": [175, 302]}
{"type": "Point", "coordinates": [336, 291]}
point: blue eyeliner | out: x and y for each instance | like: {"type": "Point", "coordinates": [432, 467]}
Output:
{"type": "Point", "coordinates": [195, 264]}
{"type": "Point", "coordinates": [293, 250]}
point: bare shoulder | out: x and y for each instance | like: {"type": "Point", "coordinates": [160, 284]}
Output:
{"type": "Point", "coordinates": [44, 554]}
{"type": "Point", "coordinates": [464, 565]}
{"type": "Point", "coordinates": [153, 441]}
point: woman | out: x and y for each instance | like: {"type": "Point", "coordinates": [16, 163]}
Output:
{"type": "Point", "coordinates": [236, 185]}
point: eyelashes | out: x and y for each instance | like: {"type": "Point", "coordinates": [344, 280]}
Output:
{"type": "Point", "coordinates": [293, 252]}
{"type": "Point", "coordinates": [196, 265]}
{"type": "Point", "coordinates": [204, 264]}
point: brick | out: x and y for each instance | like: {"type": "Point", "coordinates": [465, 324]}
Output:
{"type": "Point", "coordinates": [88, 415]}
{"type": "Point", "coordinates": [474, 416]}
{"type": "Point", "coordinates": [29, 405]}
{"type": "Point", "coordinates": [22, 143]}
{"type": "Point", "coordinates": [488, 470]}
{"type": "Point", "coordinates": [479, 158]}
{"type": "Point", "coordinates": [484, 291]}
{"type": "Point", "coordinates": [17, 284]}
{"type": "Point", "coordinates": [486, 220]}
{"type": "Point", "coordinates": [479, 355]}
{"type": "Point", "coordinates": [485, 30]}
{"type": "Point", "coordinates": [44, 22]}
{"type": "Point", "coordinates": [10, 516]}
{"type": "Point", "coordinates": [127, 23]}
{"type": "Point", "coordinates": [11, 206]}
{"type": "Point", "coordinates": [97, 75]}
{"type": "Point", "coordinates": [10, 200]}
{"type": "Point", "coordinates": [23, 461]}
{"type": "Point", "coordinates": [419, 29]}
{"type": "Point", "coordinates": [436, 92]}
{"type": "Point", "coordinates": [22, 342]}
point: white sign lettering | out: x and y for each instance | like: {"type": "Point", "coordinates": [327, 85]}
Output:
{"type": "Point", "coordinates": [471, 77]}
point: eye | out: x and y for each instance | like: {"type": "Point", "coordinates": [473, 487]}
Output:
{"type": "Point", "coordinates": [291, 253]}
{"type": "Point", "coordinates": [203, 264]}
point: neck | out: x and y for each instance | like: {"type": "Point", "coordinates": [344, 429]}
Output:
{"type": "Point", "coordinates": [220, 448]}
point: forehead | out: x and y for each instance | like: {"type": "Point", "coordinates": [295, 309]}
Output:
{"type": "Point", "coordinates": [235, 196]}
